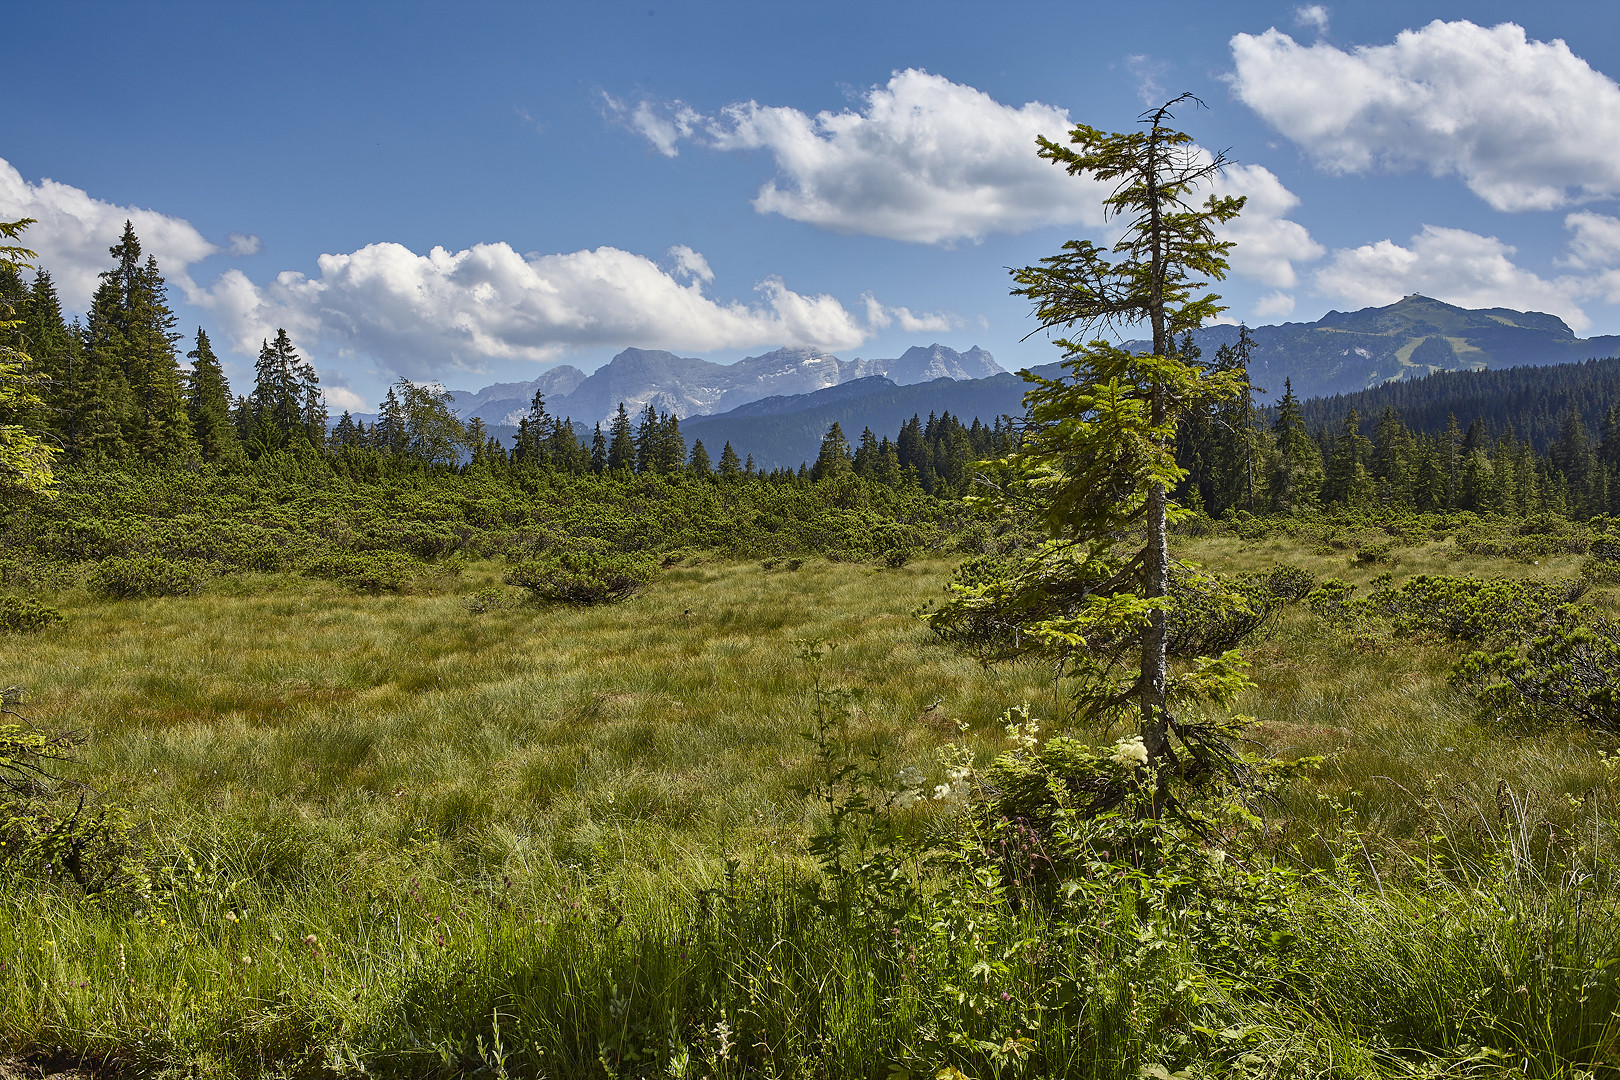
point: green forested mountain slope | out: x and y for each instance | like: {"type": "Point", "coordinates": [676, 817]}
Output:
{"type": "Point", "coordinates": [1346, 351]}
{"type": "Point", "coordinates": [785, 432]}
{"type": "Point", "coordinates": [1534, 401]}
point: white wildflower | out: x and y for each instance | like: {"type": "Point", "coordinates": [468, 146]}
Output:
{"type": "Point", "coordinates": [910, 777]}
{"type": "Point", "coordinates": [942, 791]}
{"type": "Point", "coordinates": [1130, 753]}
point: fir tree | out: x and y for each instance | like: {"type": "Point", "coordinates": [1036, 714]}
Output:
{"type": "Point", "coordinates": [599, 451]}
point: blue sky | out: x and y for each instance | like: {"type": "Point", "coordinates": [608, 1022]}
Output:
{"type": "Point", "coordinates": [473, 192]}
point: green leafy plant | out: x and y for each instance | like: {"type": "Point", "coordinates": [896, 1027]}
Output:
{"type": "Point", "coordinates": [52, 827]}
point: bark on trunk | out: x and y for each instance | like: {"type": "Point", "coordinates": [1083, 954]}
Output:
{"type": "Point", "coordinates": [1155, 667]}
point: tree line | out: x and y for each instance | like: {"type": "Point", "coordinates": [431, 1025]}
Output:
{"type": "Point", "coordinates": [1240, 457]}
{"type": "Point", "coordinates": [111, 389]}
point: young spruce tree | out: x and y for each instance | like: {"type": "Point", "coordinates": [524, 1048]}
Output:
{"type": "Point", "coordinates": [25, 456]}
{"type": "Point", "coordinates": [208, 404]}
{"type": "Point", "coordinates": [1098, 461]}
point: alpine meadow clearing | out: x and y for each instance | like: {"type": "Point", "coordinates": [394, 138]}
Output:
{"type": "Point", "coordinates": [454, 830]}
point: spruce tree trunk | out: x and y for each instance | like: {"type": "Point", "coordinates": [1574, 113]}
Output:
{"type": "Point", "coordinates": [1155, 666]}
{"type": "Point", "coordinates": [1156, 571]}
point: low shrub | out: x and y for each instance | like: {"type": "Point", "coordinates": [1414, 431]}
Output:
{"type": "Point", "coordinates": [585, 577]}
{"type": "Point", "coordinates": [1572, 670]}
{"type": "Point", "coordinates": [132, 576]}
{"type": "Point", "coordinates": [1473, 609]}
{"type": "Point", "coordinates": [1290, 583]}
{"type": "Point", "coordinates": [368, 571]}
{"type": "Point", "coordinates": [25, 615]}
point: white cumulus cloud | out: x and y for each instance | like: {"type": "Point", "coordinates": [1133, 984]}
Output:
{"type": "Point", "coordinates": [242, 244]}
{"type": "Point", "coordinates": [1312, 17]}
{"type": "Point", "coordinates": [74, 231]}
{"type": "Point", "coordinates": [662, 124]}
{"type": "Point", "coordinates": [1595, 241]}
{"type": "Point", "coordinates": [690, 264]}
{"type": "Point", "coordinates": [419, 315]}
{"type": "Point", "coordinates": [1527, 125]}
{"type": "Point", "coordinates": [1274, 305]}
{"type": "Point", "coordinates": [1268, 243]}
{"type": "Point", "coordinates": [923, 159]}
{"type": "Point", "coordinates": [880, 316]}
{"type": "Point", "coordinates": [931, 161]}
{"type": "Point", "coordinates": [1453, 265]}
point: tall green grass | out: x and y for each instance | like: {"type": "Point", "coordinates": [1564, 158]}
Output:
{"type": "Point", "coordinates": [455, 833]}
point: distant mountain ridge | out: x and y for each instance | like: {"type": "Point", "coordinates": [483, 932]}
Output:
{"type": "Point", "coordinates": [686, 386]}
{"type": "Point", "coordinates": [778, 405]}
{"type": "Point", "coordinates": [1346, 351]}
{"type": "Point", "coordinates": [783, 432]}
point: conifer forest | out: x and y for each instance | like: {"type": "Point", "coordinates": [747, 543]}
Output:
{"type": "Point", "coordinates": [1174, 727]}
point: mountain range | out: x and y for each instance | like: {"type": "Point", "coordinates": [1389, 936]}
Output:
{"type": "Point", "coordinates": [1346, 351]}
{"type": "Point", "coordinates": [686, 386]}
{"type": "Point", "coordinates": [778, 405]}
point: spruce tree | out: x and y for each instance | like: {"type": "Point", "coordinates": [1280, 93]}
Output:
{"type": "Point", "coordinates": [104, 413]}
{"type": "Point", "coordinates": [730, 465]}
{"type": "Point", "coordinates": [56, 350]}
{"type": "Point", "coordinates": [1098, 462]}
{"type": "Point", "coordinates": [1573, 456]}
{"type": "Point", "coordinates": [1451, 459]}
{"type": "Point", "coordinates": [698, 464]}
{"type": "Point", "coordinates": [834, 458]}
{"type": "Point", "coordinates": [621, 443]}
{"type": "Point", "coordinates": [1391, 462]}
{"type": "Point", "coordinates": [345, 435]}
{"type": "Point", "coordinates": [26, 456]}
{"type": "Point", "coordinates": [388, 433]}
{"type": "Point", "coordinates": [1348, 481]}
{"type": "Point", "coordinates": [532, 444]}
{"type": "Point", "coordinates": [1295, 480]}
{"type": "Point", "coordinates": [669, 448]}
{"type": "Point", "coordinates": [567, 455]}
{"type": "Point", "coordinates": [286, 403]}
{"type": "Point", "coordinates": [161, 430]}
{"type": "Point", "coordinates": [477, 442]}
{"type": "Point", "coordinates": [647, 432]}
{"type": "Point", "coordinates": [599, 451]}
{"type": "Point", "coordinates": [208, 404]}
{"type": "Point", "coordinates": [866, 454]}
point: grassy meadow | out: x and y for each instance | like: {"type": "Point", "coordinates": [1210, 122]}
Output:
{"type": "Point", "coordinates": [452, 831]}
